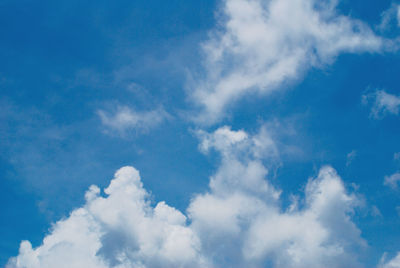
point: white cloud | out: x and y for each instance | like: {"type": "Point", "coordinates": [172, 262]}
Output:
{"type": "Point", "coordinates": [239, 222]}
{"type": "Point", "coordinates": [393, 263]}
{"type": "Point", "coordinates": [119, 230]}
{"type": "Point", "coordinates": [382, 103]}
{"type": "Point", "coordinates": [232, 143]}
{"type": "Point", "coordinates": [240, 218]}
{"type": "Point", "coordinates": [392, 180]}
{"type": "Point", "coordinates": [125, 119]}
{"type": "Point", "coordinates": [262, 45]}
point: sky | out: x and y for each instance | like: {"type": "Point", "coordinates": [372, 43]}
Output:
{"type": "Point", "coordinates": [226, 133]}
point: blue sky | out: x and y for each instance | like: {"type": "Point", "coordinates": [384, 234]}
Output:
{"type": "Point", "coordinates": [255, 110]}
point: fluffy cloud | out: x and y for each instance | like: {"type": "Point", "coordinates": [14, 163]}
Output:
{"type": "Point", "coordinates": [382, 103]}
{"type": "Point", "coordinates": [118, 230]}
{"type": "Point", "coordinates": [125, 119]}
{"type": "Point", "coordinates": [262, 45]}
{"type": "Point", "coordinates": [392, 180]}
{"type": "Point", "coordinates": [239, 222]}
{"type": "Point", "coordinates": [240, 219]}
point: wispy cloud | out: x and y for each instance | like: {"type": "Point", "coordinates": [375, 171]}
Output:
{"type": "Point", "coordinates": [262, 45]}
{"type": "Point", "coordinates": [382, 103]}
{"type": "Point", "coordinates": [375, 212]}
{"type": "Point", "coordinates": [392, 181]}
{"type": "Point", "coordinates": [125, 119]}
{"type": "Point", "coordinates": [390, 16]}
{"type": "Point", "coordinates": [391, 263]}
{"type": "Point", "coordinates": [350, 157]}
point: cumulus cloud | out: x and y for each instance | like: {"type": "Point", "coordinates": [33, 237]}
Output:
{"type": "Point", "coordinates": [392, 180]}
{"type": "Point", "coordinates": [238, 222]}
{"type": "Point", "coordinates": [121, 229]}
{"type": "Point", "coordinates": [382, 103]}
{"type": "Point", "coordinates": [240, 219]}
{"type": "Point", "coordinates": [262, 45]}
{"type": "Point", "coordinates": [125, 119]}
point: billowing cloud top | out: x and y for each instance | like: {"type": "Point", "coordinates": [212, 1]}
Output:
{"type": "Point", "coordinates": [238, 222]}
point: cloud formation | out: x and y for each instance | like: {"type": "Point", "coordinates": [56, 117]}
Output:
{"type": "Point", "coordinates": [389, 16]}
{"type": "Point", "coordinates": [350, 157]}
{"type": "Point", "coordinates": [382, 103]}
{"type": "Point", "coordinates": [262, 45]}
{"type": "Point", "coordinates": [118, 230]}
{"type": "Point", "coordinates": [392, 263]}
{"type": "Point", "coordinates": [238, 222]}
{"type": "Point", "coordinates": [392, 180]}
{"type": "Point", "coordinates": [125, 119]}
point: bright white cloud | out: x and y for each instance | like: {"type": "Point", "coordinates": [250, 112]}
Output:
{"type": "Point", "coordinates": [125, 119]}
{"type": "Point", "coordinates": [240, 218]}
{"type": "Point", "coordinates": [239, 222]}
{"type": "Point", "coordinates": [392, 181]}
{"type": "Point", "coordinates": [262, 45]}
{"type": "Point", "coordinates": [118, 230]}
{"type": "Point", "coordinates": [393, 263]}
{"type": "Point", "coordinates": [382, 103]}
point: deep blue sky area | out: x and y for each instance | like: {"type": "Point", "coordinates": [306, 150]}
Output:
{"type": "Point", "coordinates": [61, 62]}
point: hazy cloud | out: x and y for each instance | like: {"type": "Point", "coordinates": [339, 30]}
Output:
{"type": "Point", "coordinates": [392, 180]}
{"type": "Point", "coordinates": [382, 103]}
{"type": "Point", "coordinates": [350, 157]}
{"type": "Point", "coordinates": [375, 212]}
{"type": "Point", "coordinates": [125, 119]}
{"type": "Point", "coordinates": [389, 17]}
